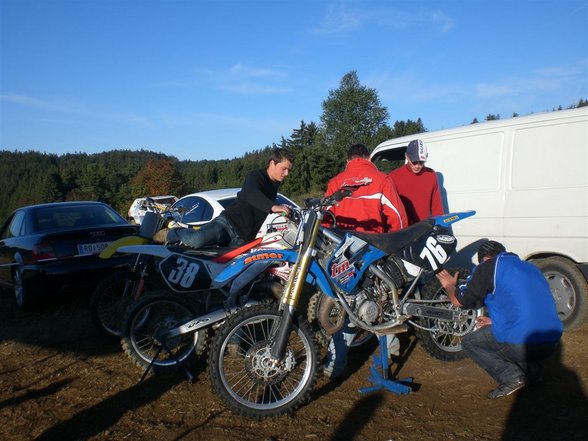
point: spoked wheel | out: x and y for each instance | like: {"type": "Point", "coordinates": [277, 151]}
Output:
{"type": "Point", "coordinates": [444, 343]}
{"type": "Point", "coordinates": [145, 339]}
{"type": "Point", "coordinates": [110, 301]}
{"type": "Point", "coordinates": [243, 373]}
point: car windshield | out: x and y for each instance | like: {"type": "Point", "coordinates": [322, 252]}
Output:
{"type": "Point", "coordinates": [167, 201]}
{"type": "Point", "coordinates": [74, 216]}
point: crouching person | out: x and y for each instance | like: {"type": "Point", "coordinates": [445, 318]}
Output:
{"type": "Point", "coordinates": [522, 327]}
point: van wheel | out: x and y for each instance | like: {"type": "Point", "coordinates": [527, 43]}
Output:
{"type": "Point", "coordinates": [568, 287]}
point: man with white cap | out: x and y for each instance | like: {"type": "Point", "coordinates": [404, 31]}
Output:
{"type": "Point", "coordinates": [417, 185]}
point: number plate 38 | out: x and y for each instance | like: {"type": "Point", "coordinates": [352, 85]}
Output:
{"type": "Point", "coordinates": [183, 273]}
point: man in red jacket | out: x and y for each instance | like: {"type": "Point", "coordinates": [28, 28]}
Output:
{"type": "Point", "coordinates": [374, 207]}
{"type": "Point", "coordinates": [417, 184]}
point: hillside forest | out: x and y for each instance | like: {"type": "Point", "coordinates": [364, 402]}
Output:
{"type": "Point", "coordinates": [352, 113]}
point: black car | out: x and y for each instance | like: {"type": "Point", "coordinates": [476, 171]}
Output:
{"type": "Point", "coordinates": [53, 248]}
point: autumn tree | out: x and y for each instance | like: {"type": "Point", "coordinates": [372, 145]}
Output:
{"type": "Point", "coordinates": [157, 177]}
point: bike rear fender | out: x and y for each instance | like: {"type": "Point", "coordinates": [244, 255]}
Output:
{"type": "Point", "coordinates": [445, 220]}
{"type": "Point", "coordinates": [113, 247]}
{"type": "Point", "coordinates": [151, 250]}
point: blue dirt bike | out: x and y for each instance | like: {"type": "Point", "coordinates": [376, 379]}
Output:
{"type": "Point", "coordinates": [264, 361]}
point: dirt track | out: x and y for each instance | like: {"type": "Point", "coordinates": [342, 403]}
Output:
{"type": "Point", "coordinates": [61, 380]}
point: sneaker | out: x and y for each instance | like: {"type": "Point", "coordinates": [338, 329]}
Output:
{"type": "Point", "coordinates": [507, 388]}
{"type": "Point", "coordinates": [160, 236]}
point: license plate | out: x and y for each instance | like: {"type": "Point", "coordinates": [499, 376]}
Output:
{"type": "Point", "coordinates": [92, 248]}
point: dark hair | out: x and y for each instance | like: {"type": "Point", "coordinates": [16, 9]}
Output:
{"type": "Point", "coordinates": [357, 151]}
{"type": "Point", "coordinates": [280, 154]}
{"type": "Point", "coordinates": [490, 249]}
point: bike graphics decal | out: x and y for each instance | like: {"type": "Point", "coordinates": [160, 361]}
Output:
{"type": "Point", "coordinates": [263, 256]}
{"type": "Point", "coordinates": [351, 259]}
{"type": "Point", "coordinates": [342, 270]}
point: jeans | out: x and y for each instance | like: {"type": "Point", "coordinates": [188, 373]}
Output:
{"type": "Point", "coordinates": [338, 350]}
{"type": "Point", "coordinates": [218, 231]}
{"type": "Point", "coordinates": [505, 362]}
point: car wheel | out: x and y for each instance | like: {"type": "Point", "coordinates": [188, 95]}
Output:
{"type": "Point", "coordinates": [20, 294]}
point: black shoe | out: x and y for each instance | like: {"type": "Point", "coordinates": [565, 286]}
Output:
{"type": "Point", "coordinates": [507, 388]}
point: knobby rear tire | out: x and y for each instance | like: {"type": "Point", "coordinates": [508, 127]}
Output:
{"type": "Point", "coordinates": [144, 325]}
{"type": "Point", "coordinates": [240, 369]}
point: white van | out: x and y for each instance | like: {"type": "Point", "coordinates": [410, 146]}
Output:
{"type": "Point", "coordinates": [527, 179]}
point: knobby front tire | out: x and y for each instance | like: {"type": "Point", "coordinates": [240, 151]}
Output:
{"type": "Point", "coordinates": [242, 373]}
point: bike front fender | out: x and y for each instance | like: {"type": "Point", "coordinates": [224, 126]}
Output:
{"type": "Point", "coordinates": [315, 276]}
{"type": "Point", "coordinates": [113, 247]}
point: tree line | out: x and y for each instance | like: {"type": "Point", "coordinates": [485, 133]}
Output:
{"type": "Point", "coordinates": [352, 113]}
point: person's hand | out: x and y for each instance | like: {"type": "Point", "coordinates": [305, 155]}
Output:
{"type": "Point", "coordinates": [281, 209]}
{"type": "Point", "coordinates": [447, 280]}
{"type": "Point", "coordinates": [483, 321]}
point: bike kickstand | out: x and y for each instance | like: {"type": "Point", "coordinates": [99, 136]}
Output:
{"type": "Point", "coordinates": [178, 362]}
{"type": "Point", "coordinates": [150, 366]}
{"type": "Point", "coordinates": [381, 380]}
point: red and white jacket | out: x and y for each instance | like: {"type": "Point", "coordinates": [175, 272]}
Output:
{"type": "Point", "coordinates": [372, 208]}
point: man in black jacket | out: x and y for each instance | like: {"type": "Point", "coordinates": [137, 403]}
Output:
{"type": "Point", "coordinates": [240, 222]}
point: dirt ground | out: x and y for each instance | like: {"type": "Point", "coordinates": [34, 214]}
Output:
{"type": "Point", "coordinates": [60, 379]}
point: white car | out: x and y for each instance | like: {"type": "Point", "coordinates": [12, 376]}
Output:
{"type": "Point", "coordinates": [139, 207]}
{"type": "Point", "coordinates": [200, 208]}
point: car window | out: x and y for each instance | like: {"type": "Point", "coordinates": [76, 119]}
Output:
{"type": "Point", "coordinates": [167, 201]}
{"type": "Point", "coordinates": [196, 209]}
{"type": "Point", "coordinates": [75, 216]}
{"type": "Point", "coordinates": [15, 226]}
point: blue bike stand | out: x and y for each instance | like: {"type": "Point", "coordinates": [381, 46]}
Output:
{"type": "Point", "coordinates": [381, 380]}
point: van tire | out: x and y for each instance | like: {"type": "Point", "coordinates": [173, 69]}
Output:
{"type": "Point", "coordinates": [568, 287]}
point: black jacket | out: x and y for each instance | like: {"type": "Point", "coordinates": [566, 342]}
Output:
{"type": "Point", "coordinates": [254, 203]}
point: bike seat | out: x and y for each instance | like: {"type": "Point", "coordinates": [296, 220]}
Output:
{"type": "Point", "coordinates": [393, 242]}
{"type": "Point", "coordinates": [214, 252]}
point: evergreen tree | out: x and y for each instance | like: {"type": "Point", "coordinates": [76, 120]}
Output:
{"type": "Point", "coordinates": [351, 114]}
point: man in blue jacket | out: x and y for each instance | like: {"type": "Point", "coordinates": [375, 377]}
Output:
{"type": "Point", "coordinates": [522, 327]}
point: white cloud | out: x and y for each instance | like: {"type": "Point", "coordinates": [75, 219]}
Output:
{"type": "Point", "coordinates": [246, 79]}
{"type": "Point", "coordinates": [37, 103]}
{"type": "Point", "coordinates": [341, 18]}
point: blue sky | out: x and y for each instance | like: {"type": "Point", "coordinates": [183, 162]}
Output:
{"type": "Point", "coordinates": [215, 79]}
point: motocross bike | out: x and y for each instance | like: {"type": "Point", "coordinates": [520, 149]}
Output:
{"type": "Point", "coordinates": [197, 289]}
{"type": "Point", "coordinates": [113, 294]}
{"type": "Point", "coordinates": [263, 360]}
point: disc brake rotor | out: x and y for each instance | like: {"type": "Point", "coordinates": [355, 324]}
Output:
{"type": "Point", "coordinates": [262, 369]}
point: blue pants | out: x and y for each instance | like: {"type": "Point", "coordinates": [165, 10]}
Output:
{"type": "Point", "coordinates": [505, 362]}
{"type": "Point", "coordinates": [338, 350]}
{"type": "Point", "coordinates": [218, 231]}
